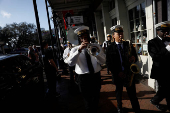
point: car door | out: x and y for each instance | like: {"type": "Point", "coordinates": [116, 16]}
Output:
{"type": "Point", "coordinates": [9, 71]}
{"type": "Point", "coordinates": [31, 72]}
{"type": "Point", "coordinates": [33, 81]}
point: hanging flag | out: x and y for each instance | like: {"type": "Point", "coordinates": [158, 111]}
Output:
{"type": "Point", "coordinates": [67, 14]}
{"type": "Point", "coordinates": [65, 23]}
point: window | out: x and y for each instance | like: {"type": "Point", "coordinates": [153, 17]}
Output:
{"type": "Point", "coordinates": [114, 21]}
{"type": "Point", "coordinates": [111, 5]}
{"type": "Point", "coordinates": [162, 10]}
{"type": "Point", "coordinates": [168, 9]}
{"type": "Point", "coordinates": [138, 30]}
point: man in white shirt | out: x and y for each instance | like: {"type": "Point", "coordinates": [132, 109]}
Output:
{"type": "Point", "coordinates": [88, 69]}
{"type": "Point", "coordinates": [66, 54]}
{"type": "Point", "coordinates": [159, 50]}
{"type": "Point", "coordinates": [106, 43]}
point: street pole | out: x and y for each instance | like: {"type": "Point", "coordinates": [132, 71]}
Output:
{"type": "Point", "coordinates": [38, 27]}
{"type": "Point", "coordinates": [57, 37]}
{"type": "Point", "coordinates": [51, 36]}
{"type": "Point", "coordinates": [154, 18]}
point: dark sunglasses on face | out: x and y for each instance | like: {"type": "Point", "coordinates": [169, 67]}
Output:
{"type": "Point", "coordinates": [164, 31]}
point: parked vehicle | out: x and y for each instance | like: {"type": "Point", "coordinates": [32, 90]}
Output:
{"type": "Point", "coordinates": [20, 80]}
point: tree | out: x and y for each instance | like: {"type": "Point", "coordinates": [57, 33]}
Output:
{"type": "Point", "coordinates": [26, 33]}
{"type": "Point", "coordinates": [19, 35]}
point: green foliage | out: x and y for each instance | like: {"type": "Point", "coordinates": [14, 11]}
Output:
{"type": "Point", "coordinates": [19, 35]}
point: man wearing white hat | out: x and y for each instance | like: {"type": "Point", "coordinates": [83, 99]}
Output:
{"type": "Point", "coordinates": [159, 50]}
{"type": "Point", "coordinates": [88, 69]}
{"type": "Point", "coordinates": [119, 61]}
{"type": "Point", "coordinates": [66, 54]}
{"type": "Point", "coordinates": [106, 43]}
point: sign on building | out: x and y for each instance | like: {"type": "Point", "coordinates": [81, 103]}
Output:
{"type": "Point", "coordinates": [75, 20]}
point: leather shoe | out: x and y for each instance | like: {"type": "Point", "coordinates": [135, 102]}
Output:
{"type": "Point", "coordinates": [119, 111]}
{"type": "Point", "coordinates": [158, 106]}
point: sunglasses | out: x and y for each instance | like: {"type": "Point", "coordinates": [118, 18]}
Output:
{"type": "Point", "coordinates": [164, 31]}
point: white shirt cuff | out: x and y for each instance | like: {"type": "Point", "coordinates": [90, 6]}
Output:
{"type": "Point", "coordinates": [168, 47]}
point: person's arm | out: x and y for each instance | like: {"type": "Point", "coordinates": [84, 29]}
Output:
{"type": "Point", "coordinates": [49, 55]}
{"type": "Point", "coordinates": [101, 57]}
{"type": "Point", "coordinates": [65, 54]}
{"type": "Point", "coordinates": [155, 54]}
{"type": "Point", "coordinates": [37, 57]}
{"type": "Point", "coordinates": [104, 46]}
{"type": "Point", "coordinates": [29, 56]}
{"type": "Point", "coordinates": [109, 60]}
{"type": "Point", "coordinates": [74, 55]}
{"type": "Point", "coordinates": [51, 61]}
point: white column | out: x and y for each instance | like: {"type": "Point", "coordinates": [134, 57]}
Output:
{"type": "Point", "coordinates": [122, 17]}
{"type": "Point", "coordinates": [107, 22]}
{"type": "Point", "coordinates": [168, 9]}
{"type": "Point", "coordinates": [150, 35]}
{"type": "Point", "coordinates": [99, 27]}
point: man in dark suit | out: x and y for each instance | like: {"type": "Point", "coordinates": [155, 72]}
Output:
{"type": "Point", "coordinates": [159, 50]}
{"type": "Point", "coordinates": [118, 61]}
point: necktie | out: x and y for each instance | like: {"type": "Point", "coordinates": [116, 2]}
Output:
{"type": "Point", "coordinates": [122, 55]}
{"type": "Point", "coordinates": [89, 63]}
{"type": "Point", "coordinates": [121, 50]}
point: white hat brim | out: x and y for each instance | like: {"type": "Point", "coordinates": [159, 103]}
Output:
{"type": "Point", "coordinates": [81, 28]}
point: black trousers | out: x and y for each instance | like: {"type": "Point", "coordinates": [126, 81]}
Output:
{"type": "Point", "coordinates": [90, 85]}
{"type": "Point", "coordinates": [131, 91]}
{"type": "Point", "coordinates": [71, 68]}
{"type": "Point", "coordinates": [51, 79]}
{"type": "Point", "coordinates": [162, 92]}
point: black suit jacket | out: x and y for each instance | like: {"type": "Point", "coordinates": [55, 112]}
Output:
{"type": "Point", "coordinates": [161, 59]}
{"type": "Point", "coordinates": [113, 59]}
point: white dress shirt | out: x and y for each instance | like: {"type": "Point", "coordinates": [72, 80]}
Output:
{"type": "Point", "coordinates": [119, 53]}
{"type": "Point", "coordinates": [65, 54]}
{"type": "Point", "coordinates": [79, 60]}
{"type": "Point", "coordinates": [104, 44]}
{"type": "Point", "coordinates": [166, 44]}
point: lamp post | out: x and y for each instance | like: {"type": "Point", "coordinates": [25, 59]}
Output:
{"type": "Point", "coordinates": [51, 36]}
{"type": "Point", "coordinates": [38, 27]}
{"type": "Point", "coordinates": [55, 21]}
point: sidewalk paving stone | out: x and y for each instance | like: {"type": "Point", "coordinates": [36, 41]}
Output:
{"type": "Point", "coordinates": [71, 100]}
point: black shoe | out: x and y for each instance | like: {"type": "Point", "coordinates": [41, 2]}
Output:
{"type": "Point", "coordinates": [158, 106]}
{"type": "Point", "coordinates": [57, 95]}
{"type": "Point", "coordinates": [120, 111]}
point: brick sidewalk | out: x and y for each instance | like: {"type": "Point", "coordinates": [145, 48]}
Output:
{"type": "Point", "coordinates": [108, 101]}
{"type": "Point", "coordinates": [71, 100]}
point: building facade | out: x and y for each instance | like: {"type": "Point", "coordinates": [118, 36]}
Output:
{"type": "Point", "coordinates": [138, 18]}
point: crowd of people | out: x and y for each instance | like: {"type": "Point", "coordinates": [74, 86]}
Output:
{"type": "Point", "coordinates": [33, 54]}
{"type": "Point", "coordinates": [118, 55]}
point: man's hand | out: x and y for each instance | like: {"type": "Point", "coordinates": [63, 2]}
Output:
{"type": "Point", "coordinates": [132, 59]}
{"type": "Point", "coordinates": [83, 45]}
{"type": "Point", "coordinates": [68, 54]}
{"type": "Point", "coordinates": [122, 75]}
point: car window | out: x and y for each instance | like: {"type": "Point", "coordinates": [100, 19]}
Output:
{"type": "Point", "coordinates": [9, 66]}
{"type": "Point", "coordinates": [24, 62]}
{"type": "Point", "coordinates": [20, 49]}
